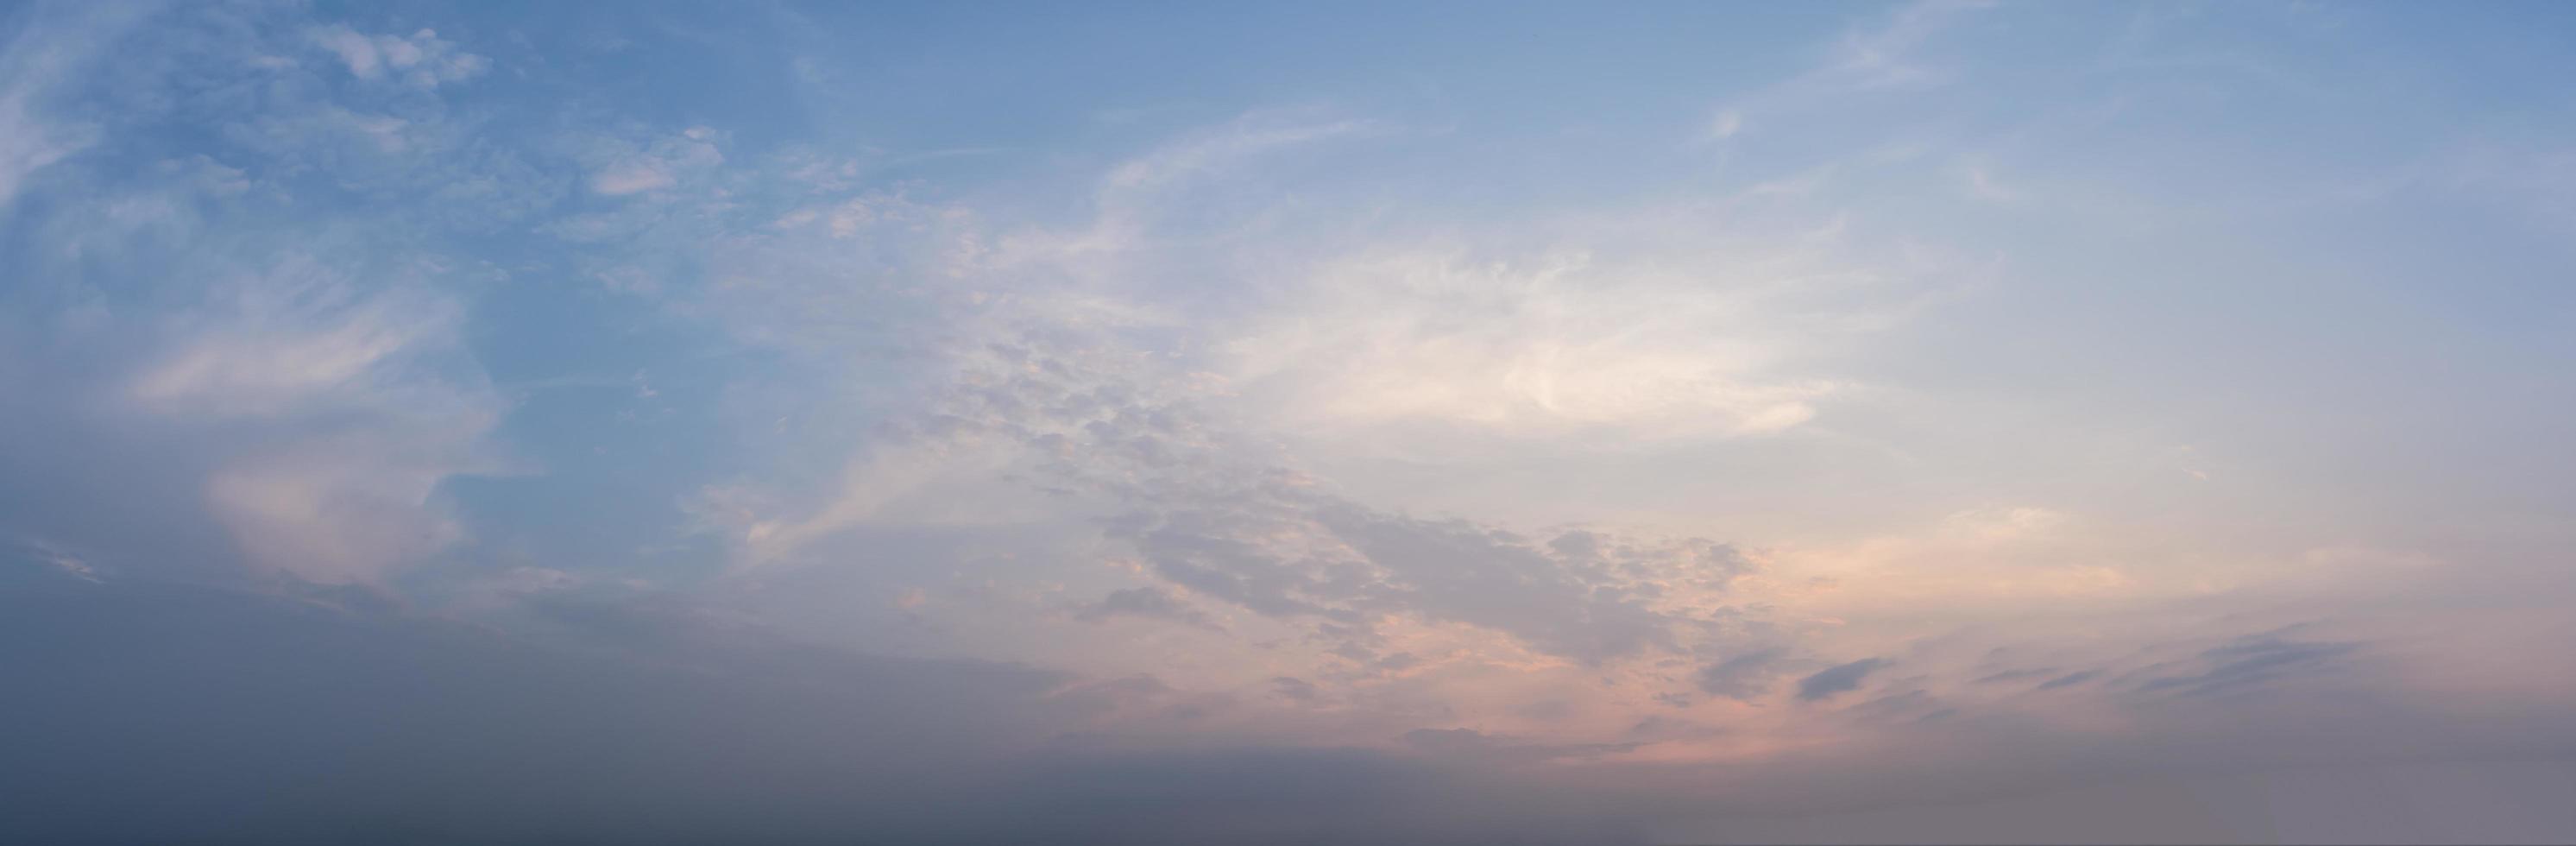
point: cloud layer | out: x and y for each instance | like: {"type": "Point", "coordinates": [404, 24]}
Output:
{"type": "Point", "coordinates": [800, 425]}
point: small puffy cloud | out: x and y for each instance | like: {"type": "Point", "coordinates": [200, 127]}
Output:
{"type": "Point", "coordinates": [420, 60]}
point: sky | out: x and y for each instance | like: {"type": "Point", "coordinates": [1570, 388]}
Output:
{"type": "Point", "coordinates": [1328, 422]}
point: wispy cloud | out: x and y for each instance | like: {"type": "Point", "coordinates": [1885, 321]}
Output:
{"type": "Point", "coordinates": [56, 44]}
{"type": "Point", "coordinates": [1838, 679]}
{"type": "Point", "coordinates": [1456, 440]}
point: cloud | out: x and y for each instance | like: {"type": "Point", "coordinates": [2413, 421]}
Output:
{"type": "Point", "coordinates": [294, 721]}
{"type": "Point", "coordinates": [1150, 603]}
{"type": "Point", "coordinates": [420, 60]}
{"type": "Point", "coordinates": [1294, 689]}
{"type": "Point", "coordinates": [1873, 57]}
{"type": "Point", "coordinates": [1197, 154]}
{"type": "Point", "coordinates": [297, 341]}
{"type": "Point", "coordinates": [1744, 677]}
{"type": "Point", "coordinates": [1727, 123]}
{"type": "Point", "coordinates": [344, 509]}
{"type": "Point", "coordinates": [370, 383]}
{"type": "Point", "coordinates": [1140, 203]}
{"type": "Point", "coordinates": [1204, 516]}
{"type": "Point", "coordinates": [1460, 571]}
{"type": "Point", "coordinates": [1472, 745]}
{"type": "Point", "coordinates": [1841, 678]}
{"type": "Point", "coordinates": [2247, 663]}
{"type": "Point", "coordinates": [2002, 525]}
{"type": "Point", "coordinates": [40, 59]}
{"type": "Point", "coordinates": [1074, 415]}
{"type": "Point", "coordinates": [2069, 680]}
{"type": "Point", "coordinates": [637, 720]}
{"type": "Point", "coordinates": [631, 177]}
{"type": "Point", "coordinates": [66, 561]}
{"type": "Point", "coordinates": [660, 165]}
{"type": "Point", "coordinates": [1882, 56]}
{"type": "Point", "coordinates": [308, 404]}
{"type": "Point", "coordinates": [1543, 345]}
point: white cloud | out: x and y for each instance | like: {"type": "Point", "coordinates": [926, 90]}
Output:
{"type": "Point", "coordinates": [28, 144]}
{"type": "Point", "coordinates": [366, 411]}
{"type": "Point", "coordinates": [1727, 123]}
{"type": "Point", "coordinates": [420, 60]}
{"type": "Point", "coordinates": [291, 341]}
{"type": "Point", "coordinates": [658, 166]}
{"type": "Point", "coordinates": [1200, 154]}
{"type": "Point", "coordinates": [345, 508]}
{"type": "Point", "coordinates": [2002, 524]}
{"type": "Point", "coordinates": [1540, 345]}
{"type": "Point", "coordinates": [71, 563]}
{"type": "Point", "coordinates": [249, 372]}
{"type": "Point", "coordinates": [631, 176]}
{"type": "Point", "coordinates": [1983, 185]}
{"type": "Point", "coordinates": [41, 57]}
{"type": "Point", "coordinates": [1883, 56]}
{"type": "Point", "coordinates": [1879, 55]}
{"type": "Point", "coordinates": [1041, 399]}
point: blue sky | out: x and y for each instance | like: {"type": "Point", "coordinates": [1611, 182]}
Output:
{"type": "Point", "coordinates": [1680, 422]}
